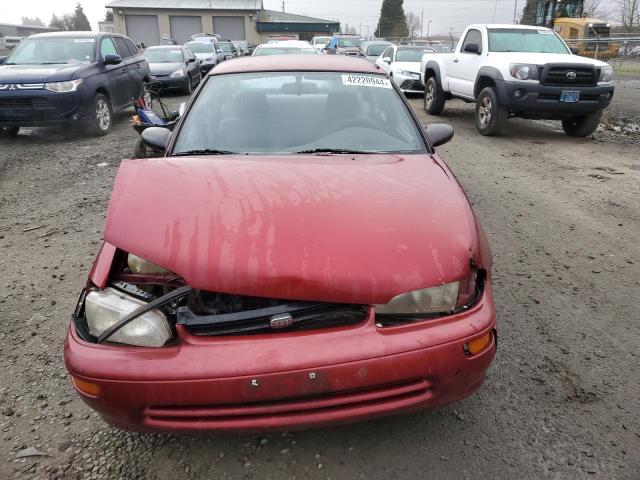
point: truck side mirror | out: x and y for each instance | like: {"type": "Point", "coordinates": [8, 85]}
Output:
{"type": "Point", "coordinates": [575, 50]}
{"type": "Point", "coordinates": [472, 48]}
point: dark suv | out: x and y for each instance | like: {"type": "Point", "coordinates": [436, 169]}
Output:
{"type": "Point", "coordinates": [78, 78]}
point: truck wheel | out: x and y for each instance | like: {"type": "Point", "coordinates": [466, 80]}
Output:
{"type": "Point", "coordinates": [490, 116]}
{"type": "Point", "coordinates": [101, 118]}
{"type": "Point", "coordinates": [434, 98]}
{"type": "Point", "coordinates": [582, 126]}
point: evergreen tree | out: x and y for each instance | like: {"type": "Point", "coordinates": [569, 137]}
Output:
{"type": "Point", "coordinates": [392, 21]}
{"type": "Point", "coordinates": [57, 23]}
{"type": "Point", "coordinates": [529, 13]}
{"type": "Point", "coordinates": [80, 20]}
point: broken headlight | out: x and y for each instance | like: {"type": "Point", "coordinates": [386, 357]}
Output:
{"type": "Point", "coordinates": [104, 308]}
{"type": "Point", "coordinates": [446, 298]}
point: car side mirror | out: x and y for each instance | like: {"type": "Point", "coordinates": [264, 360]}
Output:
{"type": "Point", "coordinates": [157, 138]}
{"type": "Point", "coordinates": [191, 60]}
{"type": "Point", "coordinates": [575, 50]}
{"type": "Point", "coordinates": [439, 133]}
{"type": "Point", "coordinates": [387, 60]}
{"type": "Point", "coordinates": [472, 48]}
{"type": "Point", "coordinates": [3, 59]}
{"type": "Point", "coordinates": [112, 59]}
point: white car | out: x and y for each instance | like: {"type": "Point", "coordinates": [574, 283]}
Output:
{"type": "Point", "coordinates": [284, 47]}
{"type": "Point", "coordinates": [320, 43]}
{"type": "Point", "coordinates": [402, 64]}
{"type": "Point", "coordinates": [518, 71]}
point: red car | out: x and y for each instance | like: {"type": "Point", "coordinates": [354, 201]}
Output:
{"type": "Point", "coordinates": [300, 257]}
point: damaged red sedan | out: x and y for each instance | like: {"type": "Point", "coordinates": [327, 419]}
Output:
{"type": "Point", "coordinates": [300, 257]}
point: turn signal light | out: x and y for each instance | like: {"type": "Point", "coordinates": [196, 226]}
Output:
{"type": "Point", "coordinates": [85, 387]}
{"type": "Point", "coordinates": [477, 345]}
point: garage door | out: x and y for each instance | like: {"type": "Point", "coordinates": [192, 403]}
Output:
{"type": "Point", "coordinates": [229, 27]}
{"type": "Point", "coordinates": [183, 27]}
{"type": "Point", "coordinates": [143, 29]}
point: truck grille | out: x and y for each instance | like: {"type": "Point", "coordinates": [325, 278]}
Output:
{"type": "Point", "coordinates": [562, 75]}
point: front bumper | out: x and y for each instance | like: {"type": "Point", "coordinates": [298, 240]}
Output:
{"type": "Point", "coordinates": [409, 84]}
{"type": "Point", "coordinates": [534, 100]}
{"type": "Point", "coordinates": [40, 108]}
{"type": "Point", "coordinates": [286, 381]}
{"type": "Point", "coordinates": [170, 83]}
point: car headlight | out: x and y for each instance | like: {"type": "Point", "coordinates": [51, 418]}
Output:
{"type": "Point", "coordinates": [177, 73]}
{"type": "Point", "coordinates": [445, 298]}
{"type": "Point", "coordinates": [407, 73]}
{"type": "Point", "coordinates": [606, 75]}
{"type": "Point", "coordinates": [63, 87]}
{"type": "Point", "coordinates": [524, 71]}
{"type": "Point", "coordinates": [104, 308]}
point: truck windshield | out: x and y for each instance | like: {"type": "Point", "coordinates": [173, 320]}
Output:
{"type": "Point", "coordinates": [51, 50]}
{"type": "Point", "coordinates": [525, 40]}
{"type": "Point", "coordinates": [298, 112]}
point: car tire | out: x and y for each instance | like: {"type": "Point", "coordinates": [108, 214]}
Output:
{"type": "Point", "coordinates": [11, 131]}
{"type": "Point", "coordinates": [491, 117]}
{"type": "Point", "coordinates": [582, 126]}
{"type": "Point", "coordinates": [101, 118]}
{"type": "Point", "coordinates": [434, 98]}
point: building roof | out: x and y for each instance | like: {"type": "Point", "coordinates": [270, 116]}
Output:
{"type": "Point", "coordinates": [297, 63]}
{"type": "Point", "coordinates": [188, 4]}
{"type": "Point", "coordinates": [273, 16]}
{"type": "Point", "coordinates": [30, 27]}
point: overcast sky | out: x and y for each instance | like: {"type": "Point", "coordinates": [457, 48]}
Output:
{"type": "Point", "coordinates": [444, 14]}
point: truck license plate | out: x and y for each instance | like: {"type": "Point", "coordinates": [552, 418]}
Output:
{"type": "Point", "coordinates": [570, 96]}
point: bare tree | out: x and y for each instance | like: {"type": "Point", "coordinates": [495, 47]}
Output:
{"type": "Point", "coordinates": [596, 9]}
{"type": "Point", "coordinates": [629, 14]}
{"type": "Point", "coordinates": [413, 24]}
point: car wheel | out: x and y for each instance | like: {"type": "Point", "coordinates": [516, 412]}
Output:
{"type": "Point", "coordinates": [582, 126]}
{"type": "Point", "coordinates": [101, 119]}
{"type": "Point", "coordinates": [434, 98]}
{"type": "Point", "coordinates": [490, 116]}
{"type": "Point", "coordinates": [11, 131]}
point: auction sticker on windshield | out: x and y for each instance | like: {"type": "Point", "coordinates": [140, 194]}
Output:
{"type": "Point", "coordinates": [366, 81]}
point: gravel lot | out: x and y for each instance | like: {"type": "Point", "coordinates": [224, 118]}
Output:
{"type": "Point", "coordinates": [561, 400]}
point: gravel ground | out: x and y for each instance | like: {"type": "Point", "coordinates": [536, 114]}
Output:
{"type": "Point", "coordinates": [561, 400]}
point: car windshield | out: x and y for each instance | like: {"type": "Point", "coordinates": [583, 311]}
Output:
{"type": "Point", "coordinates": [225, 47]}
{"type": "Point", "coordinates": [321, 40]}
{"type": "Point", "coordinates": [349, 42]}
{"type": "Point", "coordinates": [284, 51]}
{"type": "Point", "coordinates": [375, 50]}
{"type": "Point", "coordinates": [164, 55]}
{"type": "Point", "coordinates": [199, 47]}
{"type": "Point", "coordinates": [525, 40]}
{"type": "Point", "coordinates": [298, 112]}
{"type": "Point", "coordinates": [51, 50]}
{"type": "Point", "coordinates": [410, 54]}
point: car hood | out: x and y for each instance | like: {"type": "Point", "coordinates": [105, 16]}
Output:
{"type": "Point", "coordinates": [335, 229]}
{"type": "Point", "coordinates": [202, 56]}
{"type": "Point", "coordinates": [165, 68]}
{"type": "Point", "coordinates": [39, 73]}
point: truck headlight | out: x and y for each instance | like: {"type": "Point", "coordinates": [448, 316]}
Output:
{"type": "Point", "coordinates": [606, 75]}
{"type": "Point", "coordinates": [104, 308]}
{"type": "Point", "coordinates": [63, 87]}
{"type": "Point", "coordinates": [178, 74]}
{"type": "Point", "coordinates": [524, 71]}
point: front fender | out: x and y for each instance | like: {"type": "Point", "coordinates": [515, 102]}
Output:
{"type": "Point", "coordinates": [435, 66]}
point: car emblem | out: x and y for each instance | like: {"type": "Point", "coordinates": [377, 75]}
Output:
{"type": "Point", "coordinates": [572, 75]}
{"type": "Point", "coordinates": [281, 320]}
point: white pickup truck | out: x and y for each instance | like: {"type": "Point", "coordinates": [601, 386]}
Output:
{"type": "Point", "coordinates": [518, 71]}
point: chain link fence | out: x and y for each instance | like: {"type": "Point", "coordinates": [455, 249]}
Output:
{"type": "Point", "coordinates": [621, 51]}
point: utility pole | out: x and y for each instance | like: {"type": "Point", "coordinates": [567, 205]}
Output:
{"type": "Point", "coordinates": [421, 22]}
{"type": "Point", "coordinates": [515, 11]}
{"type": "Point", "coordinates": [282, 6]}
{"type": "Point", "coordinates": [428, 27]}
{"type": "Point", "coordinates": [360, 29]}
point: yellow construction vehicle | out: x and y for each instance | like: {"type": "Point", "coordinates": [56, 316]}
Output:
{"type": "Point", "coordinates": [589, 35]}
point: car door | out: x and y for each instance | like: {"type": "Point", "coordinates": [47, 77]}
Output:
{"type": "Point", "coordinates": [134, 83]}
{"type": "Point", "coordinates": [464, 65]}
{"type": "Point", "coordinates": [117, 76]}
{"type": "Point", "coordinates": [219, 53]}
{"type": "Point", "coordinates": [193, 64]}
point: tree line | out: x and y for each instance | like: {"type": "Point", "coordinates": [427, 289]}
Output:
{"type": "Point", "coordinates": [76, 21]}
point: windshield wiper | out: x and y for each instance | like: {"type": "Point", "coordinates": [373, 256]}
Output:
{"type": "Point", "coordinates": [334, 150]}
{"type": "Point", "coordinates": [204, 151]}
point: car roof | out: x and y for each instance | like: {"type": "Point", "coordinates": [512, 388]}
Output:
{"type": "Point", "coordinates": [73, 34]}
{"type": "Point", "coordinates": [295, 63]}
{"type": "Point", "coordinates": [287, 43]}
{"type": "Point", "coordinates": [164, 47]}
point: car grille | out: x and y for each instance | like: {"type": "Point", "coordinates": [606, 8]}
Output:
{"type": "Point", "coordinates": [558, 75]}
{"type": "Point", "coordinates": [411, 85]}
{"type": "Point", "coordinates": [28, 108]}
{"type": "Point", "coordinates": [218, 416]}
{"type": "Point", "coordinates": [213, 314]}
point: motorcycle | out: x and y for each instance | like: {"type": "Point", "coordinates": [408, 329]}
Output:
{"type": "Point", "coordinates": [146, 117]}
